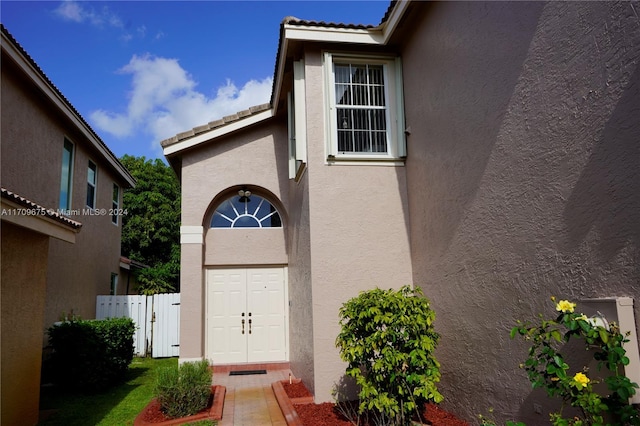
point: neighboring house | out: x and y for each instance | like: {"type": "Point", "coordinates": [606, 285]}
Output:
{"type": "Point", "coordinates": [128, 277]}
{"type": "Point", "coordinates": [60, 242]}
{"type": "Point", "coordinates": [487, 152]}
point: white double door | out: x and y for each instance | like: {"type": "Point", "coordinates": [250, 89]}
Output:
{"type": "Point", "coordinates": [246, 315]}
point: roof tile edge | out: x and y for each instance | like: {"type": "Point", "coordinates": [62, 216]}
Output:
{"type": "Point", "coordinates": [238, 116]}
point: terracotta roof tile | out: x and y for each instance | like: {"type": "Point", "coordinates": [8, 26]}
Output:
{"type": "Point", "coordinates": [215, 124]}
{"type": "Point", "coordinates": [292, 20]}
{"type": "Point", "coordinates": [39, 70]}
{"type": "Point", "coordinates": [38, 209]}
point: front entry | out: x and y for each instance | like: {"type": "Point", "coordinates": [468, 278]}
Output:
{"type": "Point", "coordinates": [246, 315]}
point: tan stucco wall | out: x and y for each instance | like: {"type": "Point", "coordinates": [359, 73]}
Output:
{"type": "Point", "coordinates": [359, 233]}
{"type": "Point", "coordinates": [84, 269]}
{"type": "Point", "coordinates": [301, 314]}
{"type": "Point", "coordinates": [192, 299]}
{"type": "Point", "coordinates": [32, 143]}
{"type": "Point", "coordinates": [255, 157]}
{"type": "Point", "coordinates": [226, 246]}
{"type": "Point", "coordinates": [23, 280]}
{"type": "Point", "coordinates": [523, 162]}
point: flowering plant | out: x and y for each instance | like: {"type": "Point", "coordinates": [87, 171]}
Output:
{"type": "Point", "coordinates": [547, 368]}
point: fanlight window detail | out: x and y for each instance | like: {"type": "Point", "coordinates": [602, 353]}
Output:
{"type": "Point", "coordinates": [246, 211]}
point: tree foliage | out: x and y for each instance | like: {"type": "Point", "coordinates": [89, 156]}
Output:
{"type": "Point", "coordinates": [151, 228]}
{"type": "Point", "coordinates": [388, 339]}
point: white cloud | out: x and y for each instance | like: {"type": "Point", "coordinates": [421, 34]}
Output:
{"type": "Point", "coordinates": [164, 101]}
{"type": "Point", "coordinates": [71, 10]}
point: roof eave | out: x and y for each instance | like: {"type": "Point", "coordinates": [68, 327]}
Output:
{"type": "Point", "coordinates": [376, 36]}
{"type": "Point", "coordinates": [62, 104]}
{"type": "Point", "coordinates": [174, 148]}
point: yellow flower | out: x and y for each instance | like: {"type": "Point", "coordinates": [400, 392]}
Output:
{"type": "Point", "coordinates": [580, 380]}
{"type": "Point", "coordinates": [582, 317]}
{"type": "Point", "coordinates": [565, 306]}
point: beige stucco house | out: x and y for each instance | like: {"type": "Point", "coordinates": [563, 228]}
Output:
{"type": "Point", "coordinates": [60, 242]}
{"type": "Point", "coordinates": [484, 151]}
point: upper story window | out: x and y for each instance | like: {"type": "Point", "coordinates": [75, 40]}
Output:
{"type": "Point", "coordinates": [365, 117]}
{"type": "Point", "coordinates": [115, 204]}
{"type": "Point", "coordinates": [92, 178]}
{"type": "Point", "coordinates": [66, 180]}
{"type": "Point", "coordinates": [246, 210]}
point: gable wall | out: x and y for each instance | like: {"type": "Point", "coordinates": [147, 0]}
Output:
{"type": "Point", "coordinates": [523, 174]}
{"type": "Point", "coordinates": [256, 156]}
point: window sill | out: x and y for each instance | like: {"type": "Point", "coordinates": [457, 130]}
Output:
{"type": "Point", "coordinates": [365, 161]}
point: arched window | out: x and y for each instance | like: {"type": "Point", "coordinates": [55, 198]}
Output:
{"type": "Point", "coordinates": [246, 211]}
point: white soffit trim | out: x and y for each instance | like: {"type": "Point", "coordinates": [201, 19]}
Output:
{"type": "Point", "coordinates": [341, 35]}
{"type": "Point", "coordinates": [394, 19]}
{"type": "Point", "coordinates": [191, 235]}
{"type": "Point", "coordinates": [217, 132]}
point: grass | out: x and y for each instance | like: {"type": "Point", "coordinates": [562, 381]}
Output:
{"type": "Point", "coordinates": [118, 405]}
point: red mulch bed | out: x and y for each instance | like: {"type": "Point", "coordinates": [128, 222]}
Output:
{"type": "Point", "coordinates": [326, 415]}
{"type": "Point", "coordinates": [439, 417]}
{"type": "Point", "coordinates": [152, 413]}
{"type": "Point", "coordinates": [296, 390]}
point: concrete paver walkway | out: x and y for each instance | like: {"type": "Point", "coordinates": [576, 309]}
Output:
{"type": "Point", "coordinates": [250, 400]}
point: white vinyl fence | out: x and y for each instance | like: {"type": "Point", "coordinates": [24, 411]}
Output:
{"type": "Point", "coordinates": [157, 321]}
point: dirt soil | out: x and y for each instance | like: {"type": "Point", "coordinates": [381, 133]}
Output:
{"type": "Point", "coordinates": [326, 414]}
{"type": "Point", "coordinates": [153, 414]}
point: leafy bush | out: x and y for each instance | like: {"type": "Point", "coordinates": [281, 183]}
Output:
{"type": "Point", "coordinates": [91, 355]}
{"type": "Point", "coordinates": [548, 369]}
{"type": "Point", "coordinates": [388, 339]}
{"type": "Point", "coordinates": [184, 390]}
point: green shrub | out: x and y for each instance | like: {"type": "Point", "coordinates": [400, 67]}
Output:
{"type": "Point", "coordinates": [388, 339]}
{"type": "Point", "coordinates": [91, 355]}
{"type": "Point", "coordinates": [185, 390]}
{"type": "Point", "coordinates": [548, 369]}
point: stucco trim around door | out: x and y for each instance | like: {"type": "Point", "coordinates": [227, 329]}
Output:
{"type": "Point", "coordinates": [246, 315]}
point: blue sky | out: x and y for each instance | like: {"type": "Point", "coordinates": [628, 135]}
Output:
{"type": "Point", "coordinates": [142, 71]}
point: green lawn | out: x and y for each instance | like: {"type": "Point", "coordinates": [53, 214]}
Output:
{"type": "Point", "coordinates": [118, 405]}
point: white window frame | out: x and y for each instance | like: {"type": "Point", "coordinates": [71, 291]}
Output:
{"type": "Point", "coordinates": [68, 183]}
{"type": "Point", "coordinates": [93, 184]}
{"type": "Point", "coordinates": [297, 123]}
{"type": "Point", "coordinates": [241, 209]}
{"type": "Point", "coordinates": [394, 101]}
{"type": "Point", "coordinates": [115, 205]}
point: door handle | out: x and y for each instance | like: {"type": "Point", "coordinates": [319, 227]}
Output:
{"type": "Point", "coordinates": [249, 325]}
{"type": "Point", "coordinates": [243, 326]}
